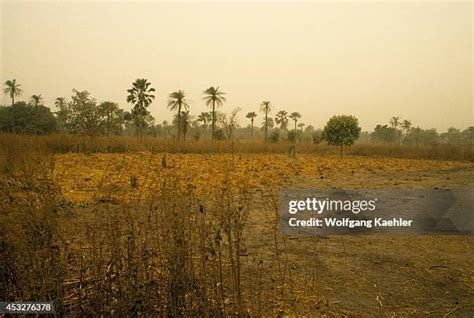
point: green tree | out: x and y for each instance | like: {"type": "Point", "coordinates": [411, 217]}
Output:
{"type": "Point", "coordinates": [452, 136]}
{"type": "Point", "coordinates": [342, 130]}
{"type": "Point", "coordinates": [111, 117]}
{"type": "Point", "coordinates": [6, 120]}
{"type": "Point", "coordinates": [215, 98]}
{"type": "Point", "coordinates": [219, 134]}
{"type": "Point", "coordinates": [384, 134]}
{"type": "Point", "coordinates": [12, 89]}
{"type": "Point", "coordinates": [26, 119]}
{"type": "Point", "coordinates": [84, 116]}
{"type": "Point", "coordinates": [418, 136]}
{"type": "Point", "coordinates": [127, 119]}
{"type": "Point", "coordinates": [266, 108]}
{"type": "Point", "coordinates": [43, 119]}
{"type": "Point", "coordinates": [251, 116]}
{"type": "Point", "coordinates": [316, 136]}
{"type": "Point", "coordinates": [275, 135]}
{"type": "Point", "coordinates": [468, 135]}
{"type": "Point", "coordinates": [140, 95]}
{"type": "Point", "coordinates": [177, 101]}
{"type": "Point", "coordinates": [430, 136]}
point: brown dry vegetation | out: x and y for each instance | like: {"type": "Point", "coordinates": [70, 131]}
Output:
{"type": "Point", "coordinates": [196, 234]}
{"type": "Point", "coordinates": [64, 143]}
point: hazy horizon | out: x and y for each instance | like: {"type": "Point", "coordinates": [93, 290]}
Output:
{"type": "Point", "coordinates": [371, 60]}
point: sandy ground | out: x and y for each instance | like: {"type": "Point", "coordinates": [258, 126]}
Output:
{"type": "Point", "coordinates": [366, 275]}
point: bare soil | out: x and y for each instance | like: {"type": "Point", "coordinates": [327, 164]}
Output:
{"type": "Point", "coordinates": [365, 276]}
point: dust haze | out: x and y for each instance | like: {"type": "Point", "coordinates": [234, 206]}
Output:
{"type": "Point", "coordinates": [371, 60]}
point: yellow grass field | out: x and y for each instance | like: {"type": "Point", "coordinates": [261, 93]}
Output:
{"type": "Point", "coordinates": [197, 235]}
{"type": "Point", "coordinates": [82, 177]}
{"type": "Point", "coordinates": [336, 276]}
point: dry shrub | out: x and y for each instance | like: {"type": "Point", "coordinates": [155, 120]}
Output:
{"type": "Point", "coordinates": [63, 143]}
{"type": "Point", "coordinates": [168, 251]}
{"type": "Point", "coordinates": [434, 151]}
{"type": "Point", "coordinates": [32, 265]}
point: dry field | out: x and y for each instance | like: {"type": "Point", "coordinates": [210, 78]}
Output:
{"type": "Point", "coordinates": [197, 235]}
{"type": "Point", "coordinates": [82, 177]}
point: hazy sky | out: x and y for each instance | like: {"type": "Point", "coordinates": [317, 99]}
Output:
{"type": "Point", "coordinates": [370, 59]}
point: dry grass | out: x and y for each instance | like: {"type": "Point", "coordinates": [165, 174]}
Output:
{"type": "Point", "coordinates": [135, 233]}
{"type": "Point", "coordinates": [63, 143]}
{"type": "Point", "coordinates": [435, 151]}
{"type": "Point", "coordinates": [169, 252]}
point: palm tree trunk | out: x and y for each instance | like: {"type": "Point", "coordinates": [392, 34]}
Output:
{"type": "Point", "coordinates": [13, 100]}
{"type": "Point", "coordinates": [266, 125]}
{"type": "Point", "coordinates": [179, 122]}
{"type": "Point", "coordinates": [213, 119]}
{"type": "Point", "coordinates": [251, 129]}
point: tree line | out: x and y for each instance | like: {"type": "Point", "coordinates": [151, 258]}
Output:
{"type": "Point", "coordinates": [399, 131]}
{"type": "Point", "coordinates": [83, 114]}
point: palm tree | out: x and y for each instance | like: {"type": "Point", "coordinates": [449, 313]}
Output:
{"type": "Point", "coordinates": [140, 96]}
{"type": "Point", "coordinates": [266, 108]}
{"type": "Point", "coordinates": [204, 118]}
{"type": "Point", "coordinates": [177, 101]}
{"type": "Point", "coordinates": [36, 100]}
{"type": "Point", "coordinates": [60, 103]}
{"type": "Point", "coordinates": [214, 97]}
{"type": "Point", "coordinates": [295, 116]}
{"type": "Point", "coordinates": [301, 125]}
{"type": "Point", "coordinates": [406, 125]}
{"type": "Point", "coordinates": [63, 112]}
{"type": "Point", "coordinates": [281, 118]}
{"type": "Point", "coordinates": [395, 121]}
{"type": "Point", "coordinates": [251, 116]}
{"type": "Point", "coordinates": [186, 118]}
{"type": "Point", "coordinates": [12, 89]}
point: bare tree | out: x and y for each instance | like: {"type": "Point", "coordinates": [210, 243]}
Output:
{"type": "Point", "coordinates": [229, 123]}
